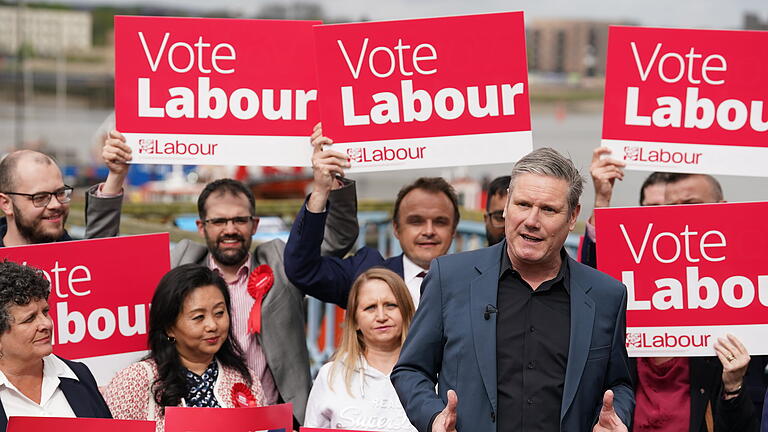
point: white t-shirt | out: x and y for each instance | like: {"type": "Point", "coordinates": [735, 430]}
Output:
{"type": "Point", "coordinates": [372, 406]}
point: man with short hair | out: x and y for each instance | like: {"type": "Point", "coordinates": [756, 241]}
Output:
{"type": "Point", "coordinates": [684, 188]}
{"type": "Point", "coordinates": [275, 349]}
{"type": "Point", "coordinates": [494, 209]}
{"type": "Point", "coordinates": [518, 336]}
{"type": "Point", "coordinates": [35, 202]}
{"type": "Point", "coordinates": [425, 217]}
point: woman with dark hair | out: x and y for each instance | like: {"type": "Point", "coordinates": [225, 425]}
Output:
{"type": "Point", "coordinates": [194, 360]}
{"type": "Point", "coordinates": [34, 382]}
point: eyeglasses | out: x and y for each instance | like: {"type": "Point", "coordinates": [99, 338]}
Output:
{"type": "Point", "coordinates": [41, 199]}
{"type": "Point", "coordinates": [497, 218]}
{"type": "Point", "coordinates": [236, 221]}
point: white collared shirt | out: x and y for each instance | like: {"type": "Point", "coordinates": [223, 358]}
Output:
{"type": "Point", "coordinates": [410, 275]}
{"type": "Point", "coordinates": [53, 403]}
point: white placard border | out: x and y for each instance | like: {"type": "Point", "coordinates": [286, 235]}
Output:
{"type": "Point", "coordinates": [694, 158]}
{"type": "Point", "coordinates": [682, 341]}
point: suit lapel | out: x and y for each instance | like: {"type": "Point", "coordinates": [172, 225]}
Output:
{"type": "Point", "coordinates": [582, 320]}
{"type": "Point", "coordinates": [483, 292]}
{"type": "Point", "coordinates": [76, 396]}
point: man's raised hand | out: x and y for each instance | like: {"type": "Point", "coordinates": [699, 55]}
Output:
{"type": "Point", "coordinates": [326, 166]}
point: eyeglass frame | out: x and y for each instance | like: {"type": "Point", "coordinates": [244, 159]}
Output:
{"type": "Point", "coordinates": [492, 216]}
{"type": "Point", "coordinates": [223, 222]}
{"type": "Point", "coordinates": [51, 195]}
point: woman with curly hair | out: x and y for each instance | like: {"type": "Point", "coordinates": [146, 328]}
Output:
{"type": "Point", "coordinates": [33, 381]}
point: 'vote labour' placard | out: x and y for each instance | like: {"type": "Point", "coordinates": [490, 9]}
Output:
{"type": "Point", "coordinates": [426, 92]}
{"type": "Point", "coordinates": [215, 91]}
{"type": "Point", "coordinates": [687, 100]}
{"type": "Point", "coordinates": [100, 295]}
{"type": "Point", "coordinates": [693, 273]}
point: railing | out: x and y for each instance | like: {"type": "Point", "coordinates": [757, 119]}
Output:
{"type": "Point", "coordinates": [323, 318]}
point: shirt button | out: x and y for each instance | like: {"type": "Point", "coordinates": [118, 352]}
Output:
{"type": "Point", "coordinates": [532, 329]}
{"type": "Point", "coordinates": [531, 365]}
{"type": "Point", "coordinates": [530, 401]}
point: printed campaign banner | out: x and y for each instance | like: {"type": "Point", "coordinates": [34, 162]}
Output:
{"type": "Point", "coordinates": [304, 429]}
{"type": "Point", "coordinates": [687, 100]}
{"type": "Point", "coordinates": [100, 295]}
{"type": "Point", "coordinates": [274, 418]}
{"type": "Point", "coordinates": [215, 91]}
{"type": "Point", "coordinates": [693, 273]}
{"type": "Point", "coordinates": [422, 93]}
{"type": "Point", "coordinates": [58, 424]}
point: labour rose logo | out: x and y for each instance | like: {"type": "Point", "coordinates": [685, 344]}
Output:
{"type": "Point", "coordinates": [634, 340]}
{"type": "Point", "coordinates": [355, 153]}
{"type": "Point", "coordinates": [147, 145]}
{"type": "Point", "coordinates": [631, 153]}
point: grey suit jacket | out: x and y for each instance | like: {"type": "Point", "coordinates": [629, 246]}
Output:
{"type": "Point", "coordinates": [283, 335]}
{"type": "Point", "coordinates": [452, 342]}
{"type": "Point", "coordinates": [102, 215]}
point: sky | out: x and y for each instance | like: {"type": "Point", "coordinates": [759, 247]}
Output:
{"type": "Point", "coordinates": [724, 14]}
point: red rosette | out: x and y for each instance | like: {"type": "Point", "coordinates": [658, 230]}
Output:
{"type": "Point", "coordinates": [242, 396]}
{"type": "Point", "coordinates": [259, 282]}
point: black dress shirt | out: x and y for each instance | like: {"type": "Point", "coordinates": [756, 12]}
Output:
{"type": "Point", "coordinates": [532, 339]}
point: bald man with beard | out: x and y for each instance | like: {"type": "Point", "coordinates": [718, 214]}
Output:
{"type": "Point", "coordinates": [36, 202]}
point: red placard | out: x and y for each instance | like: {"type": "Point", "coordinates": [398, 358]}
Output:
{"type": "Point", "coordinates": [26, 424]}
{"type": "Point", "coordinates": [327, 430]}
{"type": "Point", "coordinates": [215, 91]}
{"type": "Point", "coordinates": [693, 273]}
{"type": "Point", "coordinates": [687, 100]}
{"type": "Point", "coordinates": [275, 418]}
{"type": "Point", "coordinates": [426, 92]}
{"type": "Point", "coordinates": [100, 294]}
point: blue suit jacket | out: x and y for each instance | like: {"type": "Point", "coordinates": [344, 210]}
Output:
{"type": "Point", "coordinates": [326, 278]}
{"type": "Point", "coordinates": [83, 396]}
{"type": "Point", "coordinates": [451, 343]}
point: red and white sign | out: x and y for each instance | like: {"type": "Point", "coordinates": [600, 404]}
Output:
{"type": "Point", "coordinates": [101, 291]}
{"type": "Point", "coordinates": [687, 100]}
{"type": "Point", "coordinates": [426, 92]}
{"type": "Point", "coordinates": [26, 424]}
{"type": "Point", "coordinates": [326, 430]}
{"type": "Point", "coordinates": [693, 273]}
{"type": "Point", "coordinates": [215, 91]}
{"type": "Point", "coordinates": [274, 418]}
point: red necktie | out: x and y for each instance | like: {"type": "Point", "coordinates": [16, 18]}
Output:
{"type": "Point", "coordinates": [259, 283]}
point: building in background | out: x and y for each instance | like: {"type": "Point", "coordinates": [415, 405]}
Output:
{"type": "Point", "coordinates": [752, 21]}
{"type": "Point", "coordinates": [47, 32]}
{"type": "Point", "coordinates": [568, 46]}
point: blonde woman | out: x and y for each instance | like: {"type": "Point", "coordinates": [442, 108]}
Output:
{"type": "Point", "coordinates": [353, 390]}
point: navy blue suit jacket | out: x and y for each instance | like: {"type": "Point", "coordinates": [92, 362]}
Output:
{"type": "Point", "coordinates": [453, 344]}
{"type": "Point", "coordinates": [83, 396]}
{"type": "Point", "coordinates": [326, 278]}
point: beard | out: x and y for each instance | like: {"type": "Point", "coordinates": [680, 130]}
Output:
{"type": "Point", "coordinates": [229, 256]}
{"type": "Point", "coordinates": [32, 230]}
{"type": "Point", "coordinates": [492, 240]}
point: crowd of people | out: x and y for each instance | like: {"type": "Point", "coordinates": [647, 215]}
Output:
{"type": "Point", "coordinates": [518, 336]}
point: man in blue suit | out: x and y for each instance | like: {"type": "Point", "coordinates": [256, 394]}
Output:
{"type": "Point", "coordinates": [518, 336]}
{"type": "Point", "coordinates": [424, 220]}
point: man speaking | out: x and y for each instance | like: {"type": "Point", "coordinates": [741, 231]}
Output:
{"type": "Point", "coordinates": [518, 336]}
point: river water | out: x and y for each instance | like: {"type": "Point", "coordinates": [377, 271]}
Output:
{"type": "Point", "coordinates": [71, 133]}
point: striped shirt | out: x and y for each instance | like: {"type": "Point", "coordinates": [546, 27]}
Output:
{"type": "Point", "coordinates": [242, 302]}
